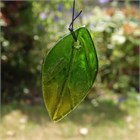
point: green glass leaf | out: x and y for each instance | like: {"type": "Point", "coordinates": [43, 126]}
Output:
{"type": "Point", "coordinates": [68, 73]}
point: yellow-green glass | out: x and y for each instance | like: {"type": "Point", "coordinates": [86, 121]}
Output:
{"type": "Point", "coordinates": [68, 73]}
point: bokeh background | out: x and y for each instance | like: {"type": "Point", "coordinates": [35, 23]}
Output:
{"type": "Point", "coordinates": [111, 109]}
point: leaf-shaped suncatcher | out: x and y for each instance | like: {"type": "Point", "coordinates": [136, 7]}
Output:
{"type": "Point", "coordinates": [68, 71]}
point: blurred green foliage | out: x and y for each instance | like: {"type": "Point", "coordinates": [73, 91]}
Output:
{"type": "Point", "coordinates": [30, 28]}
{"type": "Point", "coordinates": [117, 33]}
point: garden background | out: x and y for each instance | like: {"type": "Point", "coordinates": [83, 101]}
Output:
{"type": "Point", "coordinates": [111, 109]}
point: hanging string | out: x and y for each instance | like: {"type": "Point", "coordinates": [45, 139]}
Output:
{"type": "Point", "coordinates": [73, 19]}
